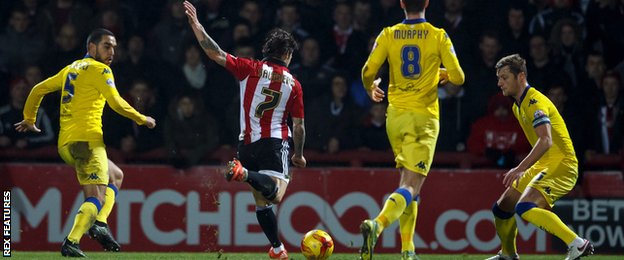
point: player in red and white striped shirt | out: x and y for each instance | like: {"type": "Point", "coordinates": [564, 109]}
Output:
{"type": "Point", "coordinates": [269, 94]}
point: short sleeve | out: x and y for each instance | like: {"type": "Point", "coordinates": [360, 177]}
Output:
{"type": "Point", "coordinates": [539, 111]}
{"type": "Point", "coordinates": [241, 68]}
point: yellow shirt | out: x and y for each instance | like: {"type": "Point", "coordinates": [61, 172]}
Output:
{"type": "Point", "coordinates": [414, 49]}
{"type": "Point", "coordinates": [86, 86]}
{"type": "Point", "coordinates": [536, 109]}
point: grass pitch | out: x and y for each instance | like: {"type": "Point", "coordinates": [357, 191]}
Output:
{"type": "Point", "coordinates": [293, 256]}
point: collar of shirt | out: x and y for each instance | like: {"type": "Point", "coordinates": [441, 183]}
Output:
{"type": "Point", "coordinates": [414, 21]}
{"type": "Point", "coordinates": [526, 89]}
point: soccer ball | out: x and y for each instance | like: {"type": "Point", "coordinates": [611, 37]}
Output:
{"type": "Point", "coordinates": [317, 245]}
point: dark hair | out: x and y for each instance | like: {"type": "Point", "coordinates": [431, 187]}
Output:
{"type": "Point", "coordinates": [290, 3]}
{"type": "Point", "coordinates": [20, 9]}
{"type": "Point", "coordinates": [96, 36]}
{"type": "Point", "coordinates": [516, 64]}
{"type": "Point", "coordinates": [595, 53]}
{"type": "Point", "coordinates": [415, 6]}
{"type": "Point", "coordinates": [277, 43]}
{"type": "Point", "coordinates": [490, 34]}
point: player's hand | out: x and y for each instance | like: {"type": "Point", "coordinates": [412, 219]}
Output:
{"type": "Point", "coordinates": [376, 94]}
{"type": "Point", "coordinates": [443, 76]}
{"type": "Point", "coordinates": [26, 126]}
{"type": "Point", "coordinates": [298, 161]}
{"type": "Point", "coordinates": [511, 176]}
{"type": "Point", "coordinates": [191, 13]}
{"type": "Point", "coordinates": [150, 122]}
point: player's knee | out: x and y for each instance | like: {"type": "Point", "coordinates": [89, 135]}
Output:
{"type": "Point", "coordinates": [523, 207]}
{"type": "Point", "coordinates": [500, 213]}
{"type": "Point", "coordinates": [116, 176]}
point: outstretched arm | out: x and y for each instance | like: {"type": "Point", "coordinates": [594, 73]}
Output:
{"type": "Point", "coordinates": [33, 101]}
{"type": "Point", "coordinates": [211, 48]}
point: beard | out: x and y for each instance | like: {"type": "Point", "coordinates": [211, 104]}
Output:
{"type": "Point", "coordinates": [99, 58]}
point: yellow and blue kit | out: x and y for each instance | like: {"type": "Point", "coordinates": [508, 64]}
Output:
{"type": "Point", "coordinates": [414, 49]}
{"type": "Point", "coordinates": [555, 173]}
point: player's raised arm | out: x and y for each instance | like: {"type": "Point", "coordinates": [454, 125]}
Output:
{"type": "Point", "coordinates": [211, 48]}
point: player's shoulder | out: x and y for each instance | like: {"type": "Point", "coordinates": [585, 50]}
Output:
{"type": "Point", "coordinates": [91, 66]}
{"type": "Point", "coordinates": [246, 60]}
{"type": "Point", "coordinates": [535, 99]}
{"type": "Point", "coordinates": [438, 32]}
{"type": "Point", "coordinates": [297, 84]}
{"type": "Point", "coordinates": [536, 94]}
{"type": "Point", "coordinates": [99, 67]}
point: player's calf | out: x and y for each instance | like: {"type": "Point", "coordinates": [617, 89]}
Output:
{"type": "Point", "coordinates": [260, 182]}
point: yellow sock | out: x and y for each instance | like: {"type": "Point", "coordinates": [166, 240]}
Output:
{"type": "Point", "coordinates": [111, 193]}
{"type": "Point", "coordinates": [546, 220]}
{"type": "Point", "coordinates": [84, 219]}
{"type": "Point", "coordinates": [393, 208]}
{"type": "Point", "coordinates": [506, 228]}
{"type": "Point", "coordinates": [407, 225]}
{"type": "Point", "coordinates": [507, 231]}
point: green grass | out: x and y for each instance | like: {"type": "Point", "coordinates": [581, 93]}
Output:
{"type": "Point", "coordinates": [250, 256]}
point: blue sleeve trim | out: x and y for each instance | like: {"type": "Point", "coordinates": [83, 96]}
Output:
{"type": "Point", "coordinates": [114, 188]}
{"type": "Point", "coordinates": [95, 202]}
{"type": "Point", "coordinates": [406, 195]}
{"type": "Point", "coordinates": [417, 198]}
{"type": "Point", "coordinates": [523, 207]}
{"type": "Point", "coordinates": [500, 213]}
{"type": "Point", "coordinates": [540, 121]}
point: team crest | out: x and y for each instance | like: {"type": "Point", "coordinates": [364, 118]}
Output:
{"type": "Point", "coordinates": [110, 82]}
{"type": "Point", "coordinates": [538, 114]}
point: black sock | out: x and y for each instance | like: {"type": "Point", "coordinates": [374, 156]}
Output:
{"type": "Point", "coordinates": [268, 222]}
{"type": "Point", "coordinates": [101, 224]}
{"type": "Point", "coordinates": [262, 183]}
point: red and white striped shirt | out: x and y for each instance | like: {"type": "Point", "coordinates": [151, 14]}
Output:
{"type": "Point", "coordinates": [268, 94]}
